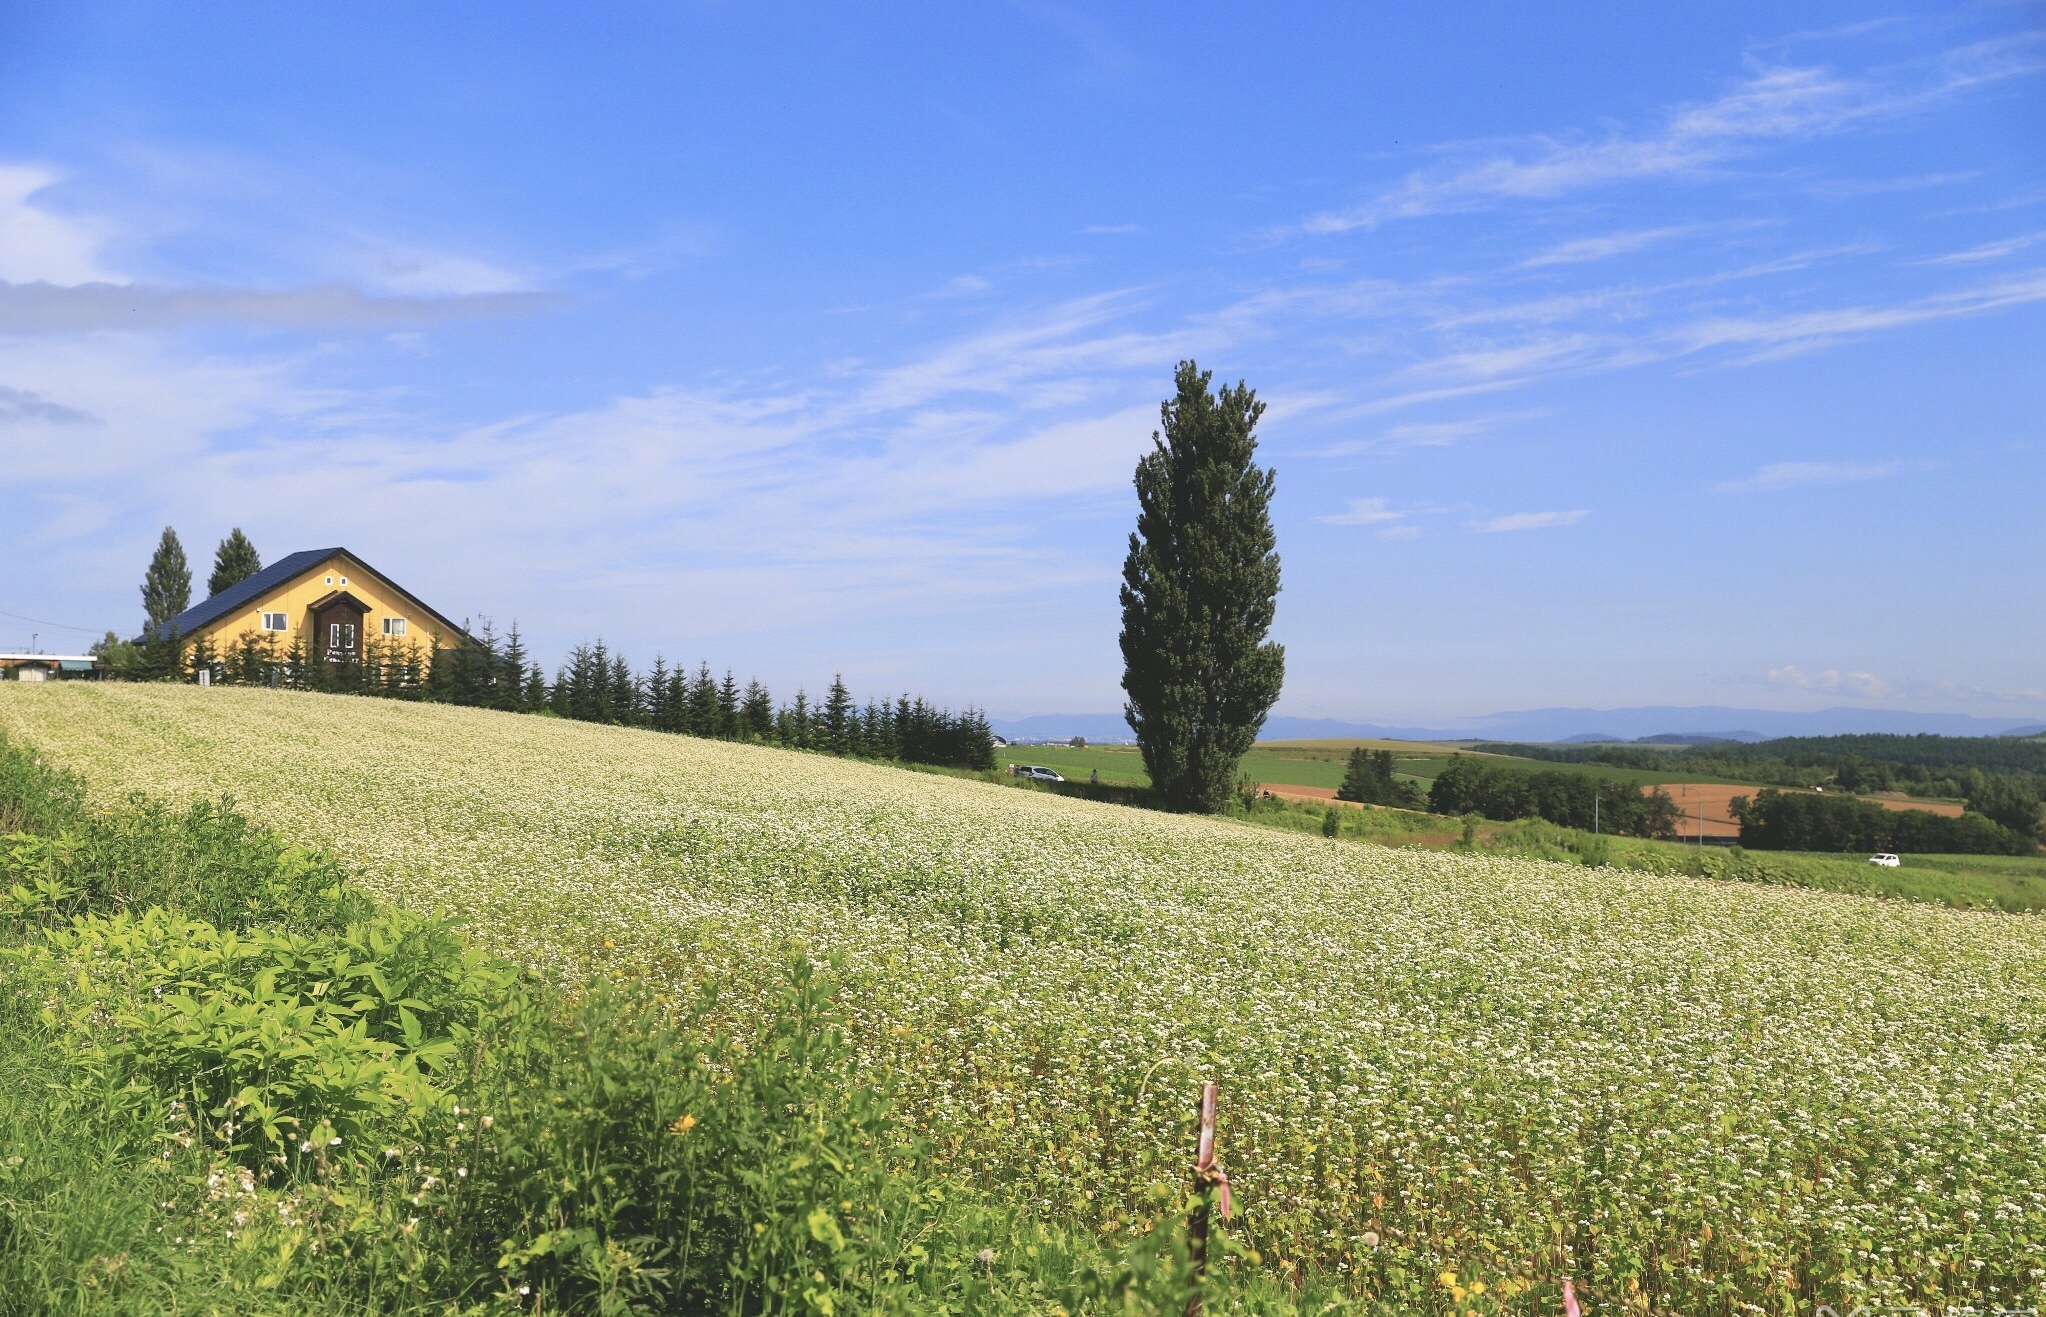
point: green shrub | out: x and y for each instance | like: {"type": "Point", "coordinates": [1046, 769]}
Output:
{"type": "Point", "coordinates": [284, 1045]}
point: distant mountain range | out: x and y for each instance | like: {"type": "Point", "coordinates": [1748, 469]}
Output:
{"type": "Point", "coordinates": [1667, 723]}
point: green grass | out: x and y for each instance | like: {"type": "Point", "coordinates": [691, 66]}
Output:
{"type": "Point", "coordinates": [1962, 881]}
{"type": "Point", "coordinates": [1312, 763]}
{"type": "Point", "coordinates": [1965, 882]}
{"type": "Point", "coordinates": [1278, 764]}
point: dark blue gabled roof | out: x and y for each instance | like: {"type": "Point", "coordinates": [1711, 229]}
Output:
{"type": "Point", "coordinates": [239, 595]}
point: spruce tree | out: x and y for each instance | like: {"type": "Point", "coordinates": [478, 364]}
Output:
{"type": "Point", "coordinates": [757, 711]}
{"type": "Point", "coordinates": [625, 698]}
{"type": "Point", "coordinates": [167, 585]}
{"type": "Point", "coordinates": [660, 709]}
{"type": "Point", "coordinates": [234, 561]}
{"type": "Point", "coordinates": [839, 717]}
{"type": "Point", "coordinates": [728, 707]}
{"type": "Point", "coordinates": [511, 675]}
{"type": "Point", "coordinates": [703, 702]}
{"type": "Point", "coordinates": [799, 722]}
{"type": "Point", "coordinates": [1199, 590]}
{"type": "Point", "coordinates": [1356, 776]}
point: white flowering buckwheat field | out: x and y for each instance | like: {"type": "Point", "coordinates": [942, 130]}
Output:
{"type": "Point", "coordinates": [1427, 1060]}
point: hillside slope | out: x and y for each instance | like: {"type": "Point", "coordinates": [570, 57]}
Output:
{"type": "Point", "coordinates": [1463, 1056]}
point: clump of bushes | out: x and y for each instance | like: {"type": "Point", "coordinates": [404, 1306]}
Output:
{"type": "Point", "coordinates": [1576, 800]}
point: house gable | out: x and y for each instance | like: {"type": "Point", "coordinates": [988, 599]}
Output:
{"type": "Point", "coordinates": [288, 591]}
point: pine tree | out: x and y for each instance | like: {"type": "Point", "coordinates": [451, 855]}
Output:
{"type": "Point", "coordinates": [660, 709]}
{"type": "Point", "coordinates": [799, 722]}
{"type": "Point", "coordinates": [202, 659]}
{"type": "Point", "coordinates": [476, 669]}
{"type": "Point", "coordinates": [838, 717]}
{"type": "Point", "coordinates": [1357, 780]}
{"type": "Point", "coordinates": [536, 689]}
{"type": "Point", "coordinates": [234, 561]}
{"type": "Point", "coordinates": [728, 707]}
{"type": "Point", "coordinates": [511, 673]}
{"type": "Point", "coordinates": [167, 585]}
{"type": "Point", "coordinates": [757, 713]}
{"type": "Point", "coordinates": [703, 703]}
{"type": "Point", "coordinates": [625, 698]}
{"type": "Point", "coordinates": [296, 662]}
{"type": "Point", "coordinates": [1199, 590]}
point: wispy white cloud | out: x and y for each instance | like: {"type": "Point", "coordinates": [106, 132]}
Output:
{"type": "Point", "coordinates": [406, 270]}
{"type": "Point", "coordinates": [1839, 32]}
{"type": "Point", "coordinates": [1441, 434]}
{"type": "Point", "coordinates": [1528, 521]}
{"type": "Point", "coordinates": [1780, 103]}
{"type": "Point", "coordinates": [1364, 512]}
{"type": "Point", "coordinates": [1428, 434]}
{"type": "Point", "coordinates": [1782, 335]}
{"type": "Point", "coordinates": [963, 285]}
{"type": "Point", "coordinates": [1605, 245]}
{"type": "Point", "coordinates": [1988, 251]}
{"type": "Point", "coordinates": [1789, 475]}
{"type": "Point", "coordinates": [888, 488]}
{"type": "Point", "coordinates": [1849, 189]}
{"type": "Point", "coordinates": [37, 243]}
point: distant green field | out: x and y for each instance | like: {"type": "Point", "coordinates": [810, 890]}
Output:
{"type": "Point", "coordinates": [1278, 764]}
{"type": "Point", "coordinates": [1308, 763]}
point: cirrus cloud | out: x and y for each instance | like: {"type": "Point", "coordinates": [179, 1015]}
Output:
{"type": "Point", "coordinates": [1528, 521]}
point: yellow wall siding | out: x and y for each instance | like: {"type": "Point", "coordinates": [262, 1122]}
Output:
{"type": "Point", "coordinates": [295, 598]}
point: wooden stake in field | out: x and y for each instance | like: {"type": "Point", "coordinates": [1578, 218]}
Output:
{"type": "Point", "coordinates": [1210, 1183]}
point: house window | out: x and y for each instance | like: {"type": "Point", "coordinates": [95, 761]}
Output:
{"type": "Point", "coordinates": [394, 626]}
{"type": "Point", "coordinates": [275, 622]}
{"type": "Point", "coordinates": [340, 635]}
{"type": "Point", "coordinates": [344, 580]}
{"type": "Point", "coordinates": [330, 578]}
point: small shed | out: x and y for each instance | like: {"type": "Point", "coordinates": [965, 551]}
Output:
{"type": "Point", "coordinates": [47, 667]}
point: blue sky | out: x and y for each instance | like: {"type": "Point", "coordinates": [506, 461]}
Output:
{"type": "Point", "coordinates": [1614, 355]}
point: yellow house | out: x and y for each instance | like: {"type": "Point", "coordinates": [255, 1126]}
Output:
{"type": "Point", "coordinates": [328, 599]}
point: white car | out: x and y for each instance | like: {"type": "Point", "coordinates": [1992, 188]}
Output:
{"type": "Point", "coordinates": [1037, 771]}
{"type": "Point", "coordinates": [1885, 859]}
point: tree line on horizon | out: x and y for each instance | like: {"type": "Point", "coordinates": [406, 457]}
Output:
{"type": "Point", "coordinates": [492, 672]}
{"type": "Point", "coordinates": [2001, 778]}
{"type": "Point", "coordinates": [1797, 821]}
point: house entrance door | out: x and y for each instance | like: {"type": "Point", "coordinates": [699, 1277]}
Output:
{"type": "Point", "coordinates": [337, 627]}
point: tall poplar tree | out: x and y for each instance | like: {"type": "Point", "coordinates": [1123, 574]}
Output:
{"type": "Point", "coordinates": [234, 561]}
{"type": "Point", "coordinates": [1199, 590]}
{"type": "Point", "coordinates": [167, 585]}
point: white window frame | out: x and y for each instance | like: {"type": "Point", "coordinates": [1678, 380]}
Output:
{"type": "Point", "coordinates": [394, 626]}
{"type": "Point", "coordinates": [334, 638]}
{"type": "Point", "coordinates": [283, 622]}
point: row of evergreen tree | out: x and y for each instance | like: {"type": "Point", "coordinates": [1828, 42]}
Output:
{"type": "Point", "coordinates": [595, 685]}
{"type": "Point", "coordinates": [494, 672]}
